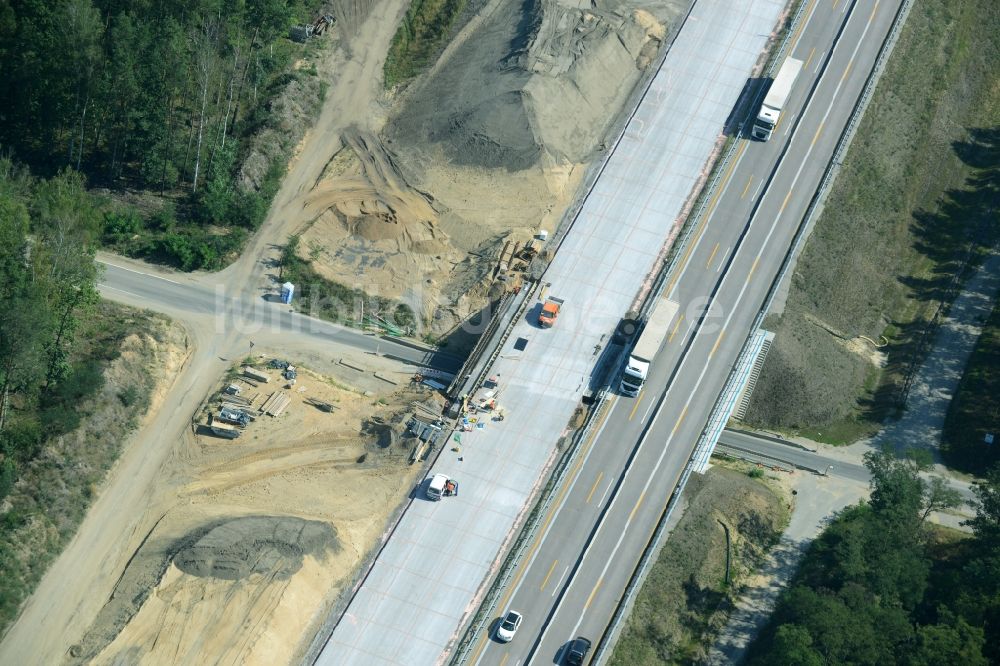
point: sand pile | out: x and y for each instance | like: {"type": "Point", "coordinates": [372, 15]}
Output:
{"type": "Point", "coordinates": [501, 130]}
{"type": "Point", "coordinates": [540, 78]}
{"type": "Point", "coordinates": [490, 145]}
{"type": "Point", "coordinates": [266, 545]}
{"type": "Point", "coordinates": [258, 536]}
{"type": "Point", "coordinates": [370, 229]}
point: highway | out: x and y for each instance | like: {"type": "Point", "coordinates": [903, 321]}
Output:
{"type": "Point", "coordinates": [583, 556]}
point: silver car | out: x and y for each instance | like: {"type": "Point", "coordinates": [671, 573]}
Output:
{"type": "Point", "coordinates": [508, 626]}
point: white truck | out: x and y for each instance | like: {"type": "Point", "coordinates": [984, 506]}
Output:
{"type": "Point", "coordinates": [650, 340]}
{"type": "Point", "coordinates": [441, 485]}
{"type": "Point", "coordinates": [777, 97]}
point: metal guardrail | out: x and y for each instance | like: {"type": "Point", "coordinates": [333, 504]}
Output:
{"type": "Point", "coordinates": [610, 635]}
{"type": "Point", "coordinates": [528, 531]}
{"type": "Point", "coordinates": [518, 550]}
{"type": "Point", "coordinates": [821, 192]}
{"type": "Point", "coordinates": [760, 458]}
{"type": "Point", "coordinates": [642, 570]}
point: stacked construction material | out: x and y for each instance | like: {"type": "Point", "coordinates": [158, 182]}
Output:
{"type": "Point", "coordinates": [275, 404]}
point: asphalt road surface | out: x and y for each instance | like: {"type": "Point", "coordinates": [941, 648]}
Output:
{"type": "Point", "coordinates": [583, 556]}
{"type": "Point", "coordinates": [202, 299]}
{"type": "Point", "coordinates": [798, 457]}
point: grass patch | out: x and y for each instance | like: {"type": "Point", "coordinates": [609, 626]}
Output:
{"type": "Point", "coordinates": [113, 356]}
{"type": "Point", "coordinates": [906, 218]}
{"type": "Point", "coordinates": [319, 297]}
{"type": "Point", "coordinates": [685, 600]}
{"type": "Point", "coordinates": [421, 34]}
{"type": "Point", "coordinates": [975, 410]}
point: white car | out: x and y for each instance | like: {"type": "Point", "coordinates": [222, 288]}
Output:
{"type": "Point", "coordinates": [508, 626]}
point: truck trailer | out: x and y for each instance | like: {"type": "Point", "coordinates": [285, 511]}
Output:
{"type": "Point", "coordinates": [650, 340]}
{"type": "Point", "coordinates": [776, 99]}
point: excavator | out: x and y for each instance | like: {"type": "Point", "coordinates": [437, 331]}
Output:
{"type": "Point", "coordinates": [301, 33]}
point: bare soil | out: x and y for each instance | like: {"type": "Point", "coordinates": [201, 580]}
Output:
{"type": "Point", "coordinates": [288, 511]}
{"type": "Point", "coordinates": [258, 536]}
{"type": "Point", "coordinates": [416, 200]}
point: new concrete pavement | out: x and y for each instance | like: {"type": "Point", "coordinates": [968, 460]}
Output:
{"type": "Point", "coordinates": [582, 559]}
{"type": "Point", "coordinates": [424, 583]}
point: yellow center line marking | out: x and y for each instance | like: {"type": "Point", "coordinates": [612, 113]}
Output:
{"type": "Point", "coordinates": [848, 70]}
{"type": "Point", "coordinates": [874, 9]}
{"type": "Point", "coordinates": [747, 188]}
{"type": "Point", "coordinates": [811, 54]}
{"type": "Point", "coordinates": [638, 399]}
{"type": "Point", "coordinates": [680, 420]}
{"type": "Point", "coordinates": [714, 250]}
{"type": "Point", "coordinates": [785, 202]}
{"type": "Point", "coordinates": [536, 542]}
{"type": "Point", "coordinates": [819, 130]}
{"type": "Point", "coordinates": [704, 218]}
{"type": "Point", "coordinates": [504, 660]}
{"type": "Point", "coordinates": [753, 268]}
{"type": "Point", "coordinates": [636, 507]}
{"type": "Point", "coordinates": [593, 593]}
{"type": "Point", "coordinates": [676, 326]}
{"type": "Point", "coordinates": [835, 3]}
{"type": "Point", "coordinates": [600, 475]}
{"type": "Point", "coordinates": [798, 29]}
{"type": "Point", "coordinates": [551, 569]}
{"type": "Point", "coordinates": [716, 345]}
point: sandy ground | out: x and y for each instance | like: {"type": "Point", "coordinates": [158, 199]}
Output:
{"type": "Point", "coordinates": [416, 200]}
{"type": "Point", "coordinates": [118, 585]}
{"type": "Point", "coordinates": [257, 536]}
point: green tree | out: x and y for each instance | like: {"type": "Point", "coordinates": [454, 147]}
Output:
{"type": "Point", "coordinates": [794, 645]}
{"type": "Point", "coordinates": [67, 223]}
{"type": "Point", "coordinates": [986, 523]}
{"type": "Point", "coordinates": [26, 315]}
{"type": "Point", "coordinates": [953, 641]}
{"type": "Point", "coordinates": [938, 495]}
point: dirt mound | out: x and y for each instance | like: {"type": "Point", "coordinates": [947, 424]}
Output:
{"type": "Point", "coordinates": [495, 133]}
{"type": "Point", "coordinates": [267, 545]}
{"type": "Point", "coordinates": [537, 77]}
{"type": "Point", "coordinates": [490, 144]}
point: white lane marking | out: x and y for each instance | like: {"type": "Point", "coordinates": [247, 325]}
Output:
{"type": "Point", "coordinates": [606, 491]}
{"type": "Point", "coordinates": [552, 521]}
{"type": "Point", "coordinates": [789, 125]}
{"type": "Point", "coordinates": [132, 270]}
{"type": "Point", "coordinates": [694, 391]}
{"type": "Point", "coordinates": [652, 403]}
{"type": "Point", "coordinates": [697, 243]}
{"type": "Point", "coordinates": [722, 262]}
{"type": "Point", "coordinates": [107, 286]}
{"type": "Point", "coordinates": [559, 582]}
{"type": "Point", "coordinates": [757, 189]}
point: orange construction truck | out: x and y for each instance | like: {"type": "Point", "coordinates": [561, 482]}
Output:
{"type": "Point", "coordinates": [547, 317]}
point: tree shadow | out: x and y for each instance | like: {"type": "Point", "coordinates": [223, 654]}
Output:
{"type": "Point", "coordinates": [955, 236]}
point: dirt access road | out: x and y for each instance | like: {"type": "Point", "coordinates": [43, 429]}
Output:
{"type": "Point", "coordinates": [589, 56]}
{"type": "Point", "coordinates": [82, 579]}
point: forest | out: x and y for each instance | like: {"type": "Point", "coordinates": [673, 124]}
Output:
{"type": "Point", "coordinates": [48, 231]}
{"type": "Point", "coordinates": [173, 107]}
{"type": "Point", "coordinates": [882, 585]}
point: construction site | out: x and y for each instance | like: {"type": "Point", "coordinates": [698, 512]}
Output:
{"type": "Point", "coordinates": [433, 198]}
{"type": "Point", "coordinates": [443, 195]}
{"type": "Point", "coordinates": [267, 508]}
